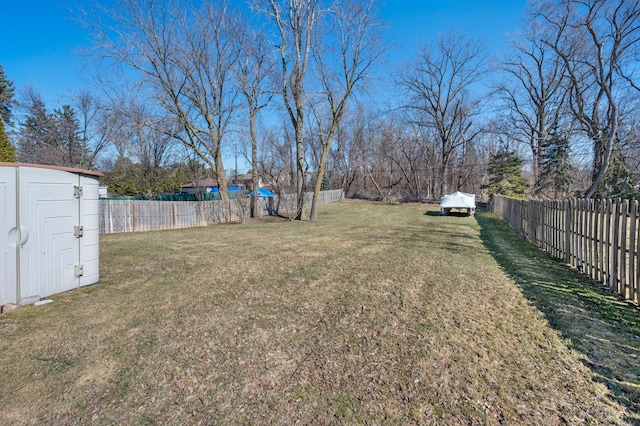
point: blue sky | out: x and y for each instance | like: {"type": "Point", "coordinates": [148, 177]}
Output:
{"type": "Point", "coordinates": [41, 40]}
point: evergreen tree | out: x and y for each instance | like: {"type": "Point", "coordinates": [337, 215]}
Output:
{"type": "Point", "coordinates": [122, 178]}
{"type": "Point", "coordinates": [557, 171]}
{"type": "Point", "coordinates": [7, 151]}
{"type": "Point", "coordinates": [52, 138]}
{"type": "Point", "coordinates": [73, 148]}
{"type": "Point", "coordinates": [35, 144]}
{"type": "Point", "coordinates": [6, 97]}
{"type": "Point", "coordinates": [505, 175]}
{"type": "Point", "coordinates": [324, 186]}
{"type": "Point", "coordinates": [618, 182]}
{"type": "Point", "coordinates": [128, 178]}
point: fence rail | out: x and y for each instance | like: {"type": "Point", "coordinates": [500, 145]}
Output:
{"type": "Point", "coordinates": [117, 216]}
{"type": "Point", "coordinates": [600, 238]}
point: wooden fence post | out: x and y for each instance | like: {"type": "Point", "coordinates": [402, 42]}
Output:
{"type": "Point", "coordinates": [589, 237]}
{"type": "Point", "coordinates": [580, 235]}
{"type": "Point", "coordinates": [615, 239]}
{"type": "Point", "coordinates": [601, 238]}
{"type": "Point", "coordinates": [633, 253]}
{"type": "Point", "coordinates": [567, 232]}
{"type": "Point", "coordinates": [598, 235]}
{"type": "Point", "coordinates": [622, 277]}
{"type": "Point", "coordinates": [636, 297]}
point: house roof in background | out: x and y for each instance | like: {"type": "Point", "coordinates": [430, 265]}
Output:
{"type": "Point", "coordinates": [204, 183]}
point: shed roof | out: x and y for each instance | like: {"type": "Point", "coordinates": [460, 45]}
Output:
{"type": "Point", "coordinates": [62, 168]}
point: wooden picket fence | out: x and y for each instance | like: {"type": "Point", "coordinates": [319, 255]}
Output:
{"type": "Point", "coordinates": [600, 238]}
{"type": "Point", "coordinates": [117, 216]}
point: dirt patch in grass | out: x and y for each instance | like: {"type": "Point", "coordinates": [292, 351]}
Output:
{"type": "Point", "coordinates": [377, 314]}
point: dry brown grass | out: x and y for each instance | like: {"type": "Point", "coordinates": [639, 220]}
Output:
{"type": "Point", "coordinates": [376, 314]}
{"type": "Point", "coordinates": [602, 327]}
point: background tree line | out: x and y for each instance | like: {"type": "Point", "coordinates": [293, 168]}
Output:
{"type": "Point", "coordinates": [297, 89]}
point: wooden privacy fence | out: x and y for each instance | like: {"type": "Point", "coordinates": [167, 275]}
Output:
{"type": "Point", "coordinates": [118, 216]}
{"type": "Point", "coordinates": [600, 238]}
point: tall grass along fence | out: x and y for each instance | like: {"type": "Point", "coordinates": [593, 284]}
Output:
{"type": "Point", "coordinates": [118, 216]}
{"type": "Point", "coordinates": [600, 238]}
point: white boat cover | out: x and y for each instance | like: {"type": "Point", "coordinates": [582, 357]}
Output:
{"type": "Point", "coordinates": [458, 200]}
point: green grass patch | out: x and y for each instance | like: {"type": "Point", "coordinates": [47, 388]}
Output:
{"type": "Point", "coordinates": [600, 326]}
{"type": "Point", "coordinates": [375, 314]}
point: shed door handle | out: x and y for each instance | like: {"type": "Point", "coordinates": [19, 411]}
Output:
{"type": "Point", "coordinates": [24, 235]}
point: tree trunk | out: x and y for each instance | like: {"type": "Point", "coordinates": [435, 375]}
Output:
{"type": "Point", "coordinates": [255, 200]}
{"type": "Point", "coordinates": [316, 190]}
{"type": "Point", "coordinates": [222, 177]}
{"type": "Point", "coordinates": [300, 175]}
{"type": "Point", "coordinates": [604, 160]}
{"type": "Point", "coordinates": [443, 178]}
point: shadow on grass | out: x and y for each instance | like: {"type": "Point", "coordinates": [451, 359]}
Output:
{"type": "Point", "coordinates": [451, 214]}
{"type": "Point", "coordinates": [594, 322]}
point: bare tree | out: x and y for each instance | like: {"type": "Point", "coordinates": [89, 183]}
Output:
{"type": "Point", "coordinates": [255, 65]}
{"type": "Point", "coordinates": [408, 156]}
{"type": "Point", "coordinates": [381, 169]}
{"type": "Point", "coordinates": [296, 22]}
{"type": "Point", "coordinates": [277, 167]}
{"type": "Point", "coordinates": [183, 54]}
{"type": "Point", "coordinates": [534, 94]}
{"type": "Point", "coordinates": [150, 140]}
{"type": "Point", "coordinates": [353, 141]}
{"type": "Point", "coordinates": [594, 39]}
{"type": "Point", "coordinates": [97, 126]}
{"type": "Point", "coordinates": [351, 46]}
{"type": "Point", "coordinates": [442, 87]}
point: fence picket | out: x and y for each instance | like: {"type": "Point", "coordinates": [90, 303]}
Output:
{"type": "Point", "coordinates": [597, 233]}
{"type": "Point", "coordinates": [636, 297]}
{"type": "Point", "coordinates": [592, 239]}
{"type": "Point", "coordinates": [633, 217]}
{"type": "Point", "coordinates": [622, 279]}
{"type": "Point", "coordinates": [599, 237]}
{"type": "Point", "coordinates": [118, 216]}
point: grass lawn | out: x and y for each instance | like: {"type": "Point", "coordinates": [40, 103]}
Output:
{"type": "Point", "coordinates": [375, 314]}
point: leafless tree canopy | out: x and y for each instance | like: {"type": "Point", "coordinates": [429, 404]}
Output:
{"type": "Point", "coordinates": [442, 88]}
{"type": "Point", "coordinates": [299, 84]}
{"type": "Point", "coordinates": [343, 58]}
{"type": "Point", "coordinates": [534, 93]}
{"type": "Point", "coordinates": [183, 55]}
{"type": "Point", "coordinates": [255, 66]}
{"type": "Point", "coordinates": [595, 41]}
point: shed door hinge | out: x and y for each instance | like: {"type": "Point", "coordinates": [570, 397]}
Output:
{"type": "Point", "coordinates": [78, 270]}
{"type": "Point", "coordinates": [77, 191]}
{"type": "Point", "coordinates": [78, 231]}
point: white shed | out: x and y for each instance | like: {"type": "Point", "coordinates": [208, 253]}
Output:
{"type": "Point", "coordinates": [49, 219]}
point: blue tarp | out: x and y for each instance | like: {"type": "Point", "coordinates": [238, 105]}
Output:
{"type": "Point", "coordinates": [263, 192]}
{"type": "Point", "coordinates": [229, 188]}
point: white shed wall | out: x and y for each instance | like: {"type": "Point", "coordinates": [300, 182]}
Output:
{"type": "Point", "coordinates": [90, 219]}
{"type": "Point", "coordinates": [43, 251]}
{"type": "Point", "coordinates": [8, 236]}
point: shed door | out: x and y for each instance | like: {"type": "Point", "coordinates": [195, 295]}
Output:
{"type": "Point", "coordinates": [49, 212]}
{"type": "Point", "coordinates": [8, 236]}
{"type": "Point", "coordinates": [90, 220]}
